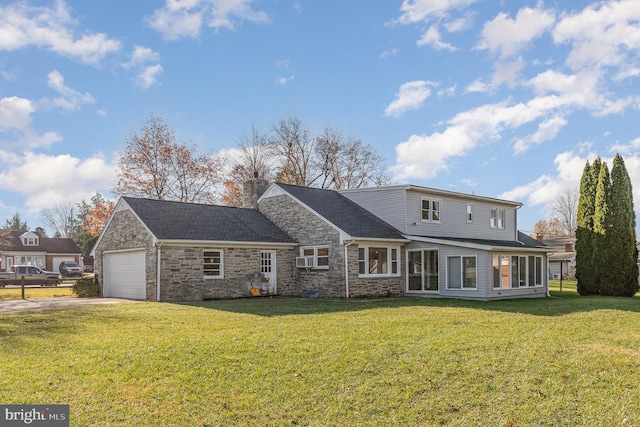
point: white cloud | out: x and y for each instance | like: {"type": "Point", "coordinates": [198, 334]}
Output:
{"type": "Point", "coordinates": [15, 113]}
{"type": "Point", "coordinates": [141, 56]}
{"type": "Point", "coordinates": [478, 86]}
{"type": "Point", "coordinates": [45, 180]}
{"type": "Point", "coordinates": [71, 99]}
{"type": "Point", "coordinates": [431, 37]}
{"type": "Point", "coordinates": [388, 53]}
{"type": "Point", "coordinates": [547, 130]}
{"type": "Point", "coordinates": [410, 96]}
{"type": "Point", "coordinates": [185, 18]}
{"type": "Point", "coordinates": [506, 37]}
{"type": "Point", "coordinates": [148, 76]}
{"type": "Point", "coordinates": [603, 34]}
{"type": "Point", "coordinates": [415, 11]}
{"type": "Point", "coordinates": [283, 81]}
{"type": "Point", "coordinates": [51, 28]}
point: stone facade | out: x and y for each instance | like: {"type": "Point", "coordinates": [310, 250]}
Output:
{"type": "Point", "coordinates": [309, 230]}
{"type": "Point", "coordinates": [126, 232]}
{"type": "Point", "coordinates": [182, 273]}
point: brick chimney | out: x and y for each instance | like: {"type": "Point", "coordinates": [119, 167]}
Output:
{"type": "Point", "coordinates": [540, 237]}
{"type": "Point", "coordinates": [252, 190]}
{"type": "Point", "coordinates": [568, 247]}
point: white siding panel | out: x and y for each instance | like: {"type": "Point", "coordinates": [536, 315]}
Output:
{"type": "Point", "coordinates": [124, 275]}
{"type": "Point", "coordinates": [387, 204]}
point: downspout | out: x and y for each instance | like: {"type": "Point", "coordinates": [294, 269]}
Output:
{"type": "Point", "coordinates": [158, 254]}
{"type": "Point", "coordinates": [346, 267]}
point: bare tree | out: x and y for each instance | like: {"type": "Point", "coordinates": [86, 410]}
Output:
{"type": "Point", "coordinates": [345, 162]}
{"type": "Point", "coordinates": [565, 207]}
{"type": "Point", "coordinates": [153, 165]}
{"type": "Point", "coordinates": [293, 145]}
{"type": "Point", "coordinates": [62, 220]}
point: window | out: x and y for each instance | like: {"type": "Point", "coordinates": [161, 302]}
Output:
{"type": "Point", "coordinates": [461, 272]}
{"type": "Point", "coordinates": [423, 270]}
{"type": "Point", "coordinates": [320, 255]}
{"type": "Point", "coordinates": [497, 218]}
{"type": "Point", "coordinates": [212, 263]}
{"type": "Point", "coordinates": [30, 241]}
{"type": "Point", "coordinates": [517, 271]}
{"type": "Point", "coordinates": [378, 261]}
{"type": "Point", "coordinates": [430, 210]}
{"type": "Point", "coordinates": [469, 212]}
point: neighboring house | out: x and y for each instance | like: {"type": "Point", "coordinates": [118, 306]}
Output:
{"type": "Point", "coordinates": [172, 251]}
{"type": "Point", "coordinates": [562, 261]}
{"type": "Point", "coordinates": [462, 245]}
{"type": "Point", "coordinates": [387, 241]}
{"type": "Point", "coordinates": [32, 248]}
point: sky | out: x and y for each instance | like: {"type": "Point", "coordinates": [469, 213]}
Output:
{"type": "Point", "coordinates": [501, 99]}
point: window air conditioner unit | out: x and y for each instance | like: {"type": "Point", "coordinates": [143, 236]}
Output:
{"type": "Point", "coordinates": [304, 262]}
{"type": "Point", "coordinates": [556, 276]}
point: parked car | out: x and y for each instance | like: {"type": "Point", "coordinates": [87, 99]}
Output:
{"type": "Point", "coordinates": [70, 268]}
{"type": "Point", "coordinates": [32, 276]}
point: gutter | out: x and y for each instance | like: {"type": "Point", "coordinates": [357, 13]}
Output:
{"type": "Point", "coordinates": [346, 267]}
{"type": "Point", "coordinates": [158, 253]}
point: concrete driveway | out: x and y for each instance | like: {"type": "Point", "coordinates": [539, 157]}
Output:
{"type": "Point", "coordinates": [55, 303]}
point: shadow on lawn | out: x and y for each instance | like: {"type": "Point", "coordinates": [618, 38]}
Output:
{"type": "Point", "coordinates": [557, 305]}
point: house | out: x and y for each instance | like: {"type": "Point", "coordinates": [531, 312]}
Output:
{"type": "Point", "coordinates": [386, 241]}
{"type": "Point", "coordinates": [462, 245]}
{"type": "Point", "coordinates": [172, 251]}
{"type": "Point", "coordinates": [562, 261]}
{"type": "Point", "coordinates": [33, 248]}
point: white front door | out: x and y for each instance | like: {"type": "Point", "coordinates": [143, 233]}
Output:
{"type": "Point", "coordinates": [268, 269]}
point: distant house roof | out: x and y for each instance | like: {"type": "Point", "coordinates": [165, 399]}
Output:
{"type": "Point", "coordinates": [346, 215]}
{"type": "Point", "coordinates": [169, 220]}
{"type": "Point", "coordinates": [51, 245]}
{"type": "Point", "coordinates": [523, 242]}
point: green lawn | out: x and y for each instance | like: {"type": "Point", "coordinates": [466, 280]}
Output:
{"type": "Point", "coordinates": [7, 294]}
{"type": "Point", "coordinates": [566, 361]}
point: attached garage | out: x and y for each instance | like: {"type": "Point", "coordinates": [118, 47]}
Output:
{"type": "Point", "coordinates": [125, 274]}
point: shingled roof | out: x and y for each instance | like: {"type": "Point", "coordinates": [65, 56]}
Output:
{"type": "Point", "coordinates": [50, 245]}
{"type": "Point", "coordinates": [346, 215]}
{"type": "Point", "coordinates": [523, 241]}
{"type": "Point", "coordinates": [169, 220]}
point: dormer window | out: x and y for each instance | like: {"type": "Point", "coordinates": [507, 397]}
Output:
{"type": "Point", "coordinates": [30, 239]}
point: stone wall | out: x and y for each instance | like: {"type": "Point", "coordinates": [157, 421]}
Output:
{"type": "Point", "coordinates": [182, 273]}
{"type": "Point", "coordinates": [126, 232]}
{"type": "Point", "coordinates": [309, 230]}
{"type": "Point", "coordinates": [373, 286]}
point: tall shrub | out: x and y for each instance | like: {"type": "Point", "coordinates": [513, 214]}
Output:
{"type": "Point", "coordinates": [602, 254]}
{"type": "Point", "coordinates": [584, 230]}
{"type": "Point", "coordinates": [624, 267]}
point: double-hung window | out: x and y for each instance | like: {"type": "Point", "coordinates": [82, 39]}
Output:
{"type": "Point", "coordinates": [517, 271]}
{"type": "Point", "coordinates": [469, 212]}
{"type": "Point", "coordinates": [320, 255]}
{"type": "Point", "coordinates": [497, 218]}
{"type": "Point", "coordinates": [378, 261]}
{"type": "Point", "coordinates": [212, 264]}
{"type": "Point", "coordinates": [430, 210]}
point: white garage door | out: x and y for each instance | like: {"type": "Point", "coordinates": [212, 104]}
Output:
{"type": "Point", "coordinates": [124, 275]}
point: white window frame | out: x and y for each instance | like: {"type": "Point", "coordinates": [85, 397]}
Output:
{"type": "Point", "coordinates": [423, 278]}
{"type": "Point", "coordinates": [497, 220]}
{"type": "Point", "coordinates": [431, 212]}
{"type": "Point", "coordinates": [538, 279]}
{"type": "Point", "coordinates": [312, 251]}
{"type": "Point", "coordinates": [470, 213]}
{"type": "Point", "coordinates": [221, 264]}
{"type": "Point", "coordinates": [391, 262]}
{"type": "Point", "coordinates": [462, 287]}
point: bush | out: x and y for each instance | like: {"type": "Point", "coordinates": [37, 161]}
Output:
{"type": "Point", "coordinates": [86, 287]}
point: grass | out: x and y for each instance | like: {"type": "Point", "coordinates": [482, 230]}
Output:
{"type": "Point", "coordinates": [7, 294]}
{"type": "Point", "coordinates": [566, 361]}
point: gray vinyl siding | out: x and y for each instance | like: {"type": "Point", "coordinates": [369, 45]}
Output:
{"type": "Point", "coordinates": [388, 204]}
{"type": "Point", "coordinates": [453, 219]}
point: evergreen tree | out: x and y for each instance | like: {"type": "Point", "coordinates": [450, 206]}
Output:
{"type": "Point", "coordinates": [602, 253]}
{"type": "Point", "coordinates": [15, 223]}
{"type": "Point", "coordinates": [584, 230]}
{"type": "Point", "coordinates": [624, 267]}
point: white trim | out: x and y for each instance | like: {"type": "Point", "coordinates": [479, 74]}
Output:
{"type": "Point", "coordinates": [315, 256]}
{"type": "Point", "coordinates": [462, 287]}
{"type": "Point", "coordinates": [225, 244]}
{"type": "Point", "coordinates": [430, 211]}
{"type": "Point", "coordinates": [470, 245]}
{"type": "Point", "coordinates": [389, 261]}
{"type": "Point", "coordinates": [413, 291]}
{"type": "Point", "coordinates": [211, 277]}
